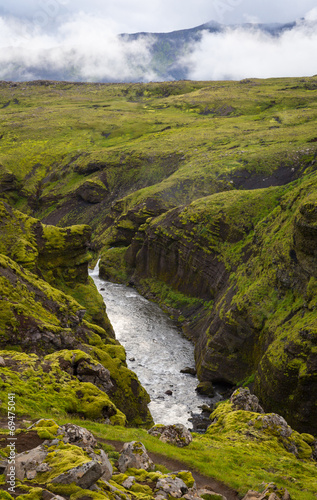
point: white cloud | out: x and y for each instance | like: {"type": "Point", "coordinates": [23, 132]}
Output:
{"type": "Point", "coordinates": [239, 53]}
{"type": "Point", "coordinates": [85, 48]}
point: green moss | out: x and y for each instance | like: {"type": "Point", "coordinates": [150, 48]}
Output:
{"type": "Point", "coordinates": [34, 494]}
{"type": "Point", "coordinates": [46, 429]}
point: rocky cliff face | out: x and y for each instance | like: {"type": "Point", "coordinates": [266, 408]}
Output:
{"type": "Point", "coordinates": [49, 305]}
{"type": "Point", "coordinates": [241, 274]}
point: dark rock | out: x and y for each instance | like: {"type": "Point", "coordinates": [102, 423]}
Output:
{"type": "Point", "coordinates": [190, 371]}
{"type": "Point", "coordinates": [206, 389]}
{"type": "Point", "coordinates": [92, 192]}
{"type": "Point", "coordinates": [169, 393]}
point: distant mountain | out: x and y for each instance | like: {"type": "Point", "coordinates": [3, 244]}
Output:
{"type": "Point", "coordinates": [168, 48]}
{"type": "Point", "coordinates": [139, 57]}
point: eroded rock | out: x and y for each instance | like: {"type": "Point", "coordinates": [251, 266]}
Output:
{"type": "Point", "coordinates": [242, 399]}
{"type": "Point", "coordinates": [169, 486]}
{"type": "Point", "coordinates": [176, 434]}
{"type": "Point", "coordinates": [83, 476]}
{"type": "Point", "coordinates": [134, 455]}
{"type": "Point", "coordinates": [271, 492]}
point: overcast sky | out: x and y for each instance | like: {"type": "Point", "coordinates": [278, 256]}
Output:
{"type": "Point", "coordinates": [77, 39]}
{"type": "Point", "coordinates": [159, 15]}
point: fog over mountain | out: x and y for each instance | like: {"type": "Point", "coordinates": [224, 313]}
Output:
{"type": "Point", "coordinates": [86, 48]}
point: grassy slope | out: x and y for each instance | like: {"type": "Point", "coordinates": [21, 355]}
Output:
{"type": "Point", "coordinates": [180, 138]}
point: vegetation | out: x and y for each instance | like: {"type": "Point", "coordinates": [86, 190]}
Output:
{"type": "Point", "coordinates": [203, 194]}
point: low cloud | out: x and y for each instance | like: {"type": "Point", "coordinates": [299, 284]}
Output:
{"type": "Point", "coordinates": [83, 49]}
{"type": "Point", "coordinates": [241, 53]}
{"type": "Point", "coordinates": [87, 48]}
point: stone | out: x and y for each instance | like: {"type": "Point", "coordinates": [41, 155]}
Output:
{"type": "Point", "coordinates": [2, 362]}
{"type": "Point", "coordinates": [92, 192]}
{"type": "Point", "coordinates": [242, 399]}
{"type": "Point", "coordinates": [206, 389]}
{"type": "Point", "coordinates": [134, 455]}
{"type": "Point", "coordinates": [83, 476]}
{"type": "Point", "coordinates": [276, 424]}
{"type": "Point", "coordinates": [190, 371]}
{"type": "Point", "coordinates": [169, 486]}
{"type": "Point", "coordinates": [208, 494]}
{"type": "Point", "coordinates": [105, 463]}
{"type": "Point", "coordinates": [74, 434]}
{"type": "Point", "coordinates": [127, 484]}
{"type": "Point", "coordinates": [95, 374]}
{"type": "Point", "coordinates": [176, 434]}
{"type": "Point", "coordinates": [27, 462]}
{"type": "Point", "coordinates": [271, 492]}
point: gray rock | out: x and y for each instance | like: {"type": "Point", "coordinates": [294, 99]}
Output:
{"type": "Point", "coordinates": [190, 371]}
{"type": "Point", "coordinates": [176, 434]}
{"type": "Point", "coordinates": [95, 374]}
{"type": "Point", "coordinates": [105, 463]}
{"type": "Point", "coordinates": [134, 455]}
{"type": "Point", "coordinates": [276, 424]}
{"type": "Point", "coordinates": [128, 483]}
{"type": "Point", "coordinates": [2, 362]}
{"type": "Point", "coordinates": [78, 436]}
{"type": "Point", "coordinates": [171, 486]}
{"type": "Point", "coordinates": [271, 492]}
{"type": "Point", "coordinates": [204, 493]}
{"type": "Point", "coordinates": [83, 476]}
{"type": "Point", "coordinates": [28, 461]}
{"type": "Point", "coordinates": [242, 399]}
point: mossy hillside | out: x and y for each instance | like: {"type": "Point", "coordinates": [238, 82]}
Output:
{"type": "Point", "coordinates": [59, 255]}
{"type": "Point", "coordinates": [185, 142]}
{"type": "Point", "coordinates": [44, 387]}
{"type": "Point", "coordinates": [249, 257]}
{"type": "Point", "coordinates": [29, 302]}
{"type": "Point", "coordinates": [37, 316]}
{"type": "Point", "coordinates": [128, 394]}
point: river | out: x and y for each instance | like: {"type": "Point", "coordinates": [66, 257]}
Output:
{"type": "Point", "coordinates": [156, 351]}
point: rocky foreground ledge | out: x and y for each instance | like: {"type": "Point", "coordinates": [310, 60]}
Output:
{"type": "Point", "coordinates": [67, 462]}
{"type": "Point", "coordinates": [53, 462]}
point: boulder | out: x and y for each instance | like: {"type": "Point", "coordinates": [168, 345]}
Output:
{"type": "Point", "coordinates": [176, 434]}
{"type": "Point", "coordinates": [206, 389]}
{"type": "Point", "coordinates": [105, 463]}
{"type": "Point", "coordinates": [242, 399]}
{"type": "Point", "coordinates": [26, 463]}
{"type": "Point", "coordinates": [208, 494]}
{"type": "Point", "coordinates": [169, 486]}
{"type": "Point", "coordinates": [129, 482]}
{"type": "Point", "coordinates": [74, 434]}
{"type": "Point", "coordinates": [271, 492]}
{"type": "Point", "coordinates": [134, 455]}
{"type": "Point", "coordinates": [83, 476]}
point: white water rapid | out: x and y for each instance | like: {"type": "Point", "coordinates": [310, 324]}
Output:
{"type": "Point", "coordinates": [156, 352]}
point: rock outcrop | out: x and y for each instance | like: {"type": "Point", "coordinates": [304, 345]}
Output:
{"type": "Point", "coordinates": [176, 434]}
{"type": "Point", "coordinates": [134, 455]}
